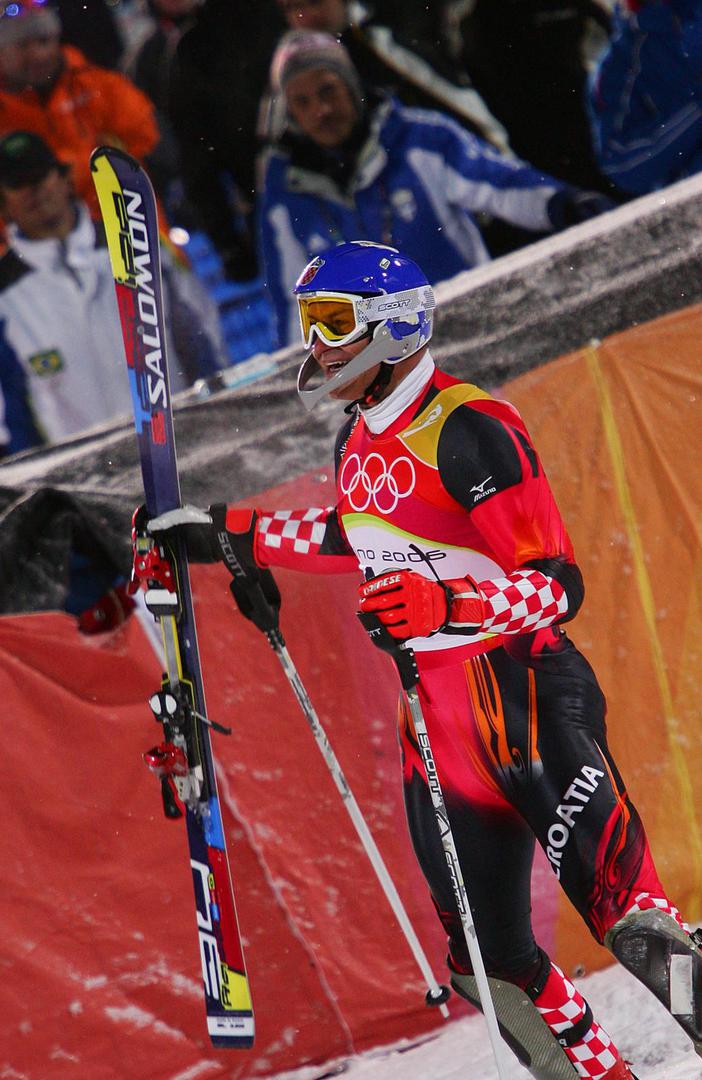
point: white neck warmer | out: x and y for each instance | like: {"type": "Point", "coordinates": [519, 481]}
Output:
{"type": "Point", "coordinates": [386, 412]}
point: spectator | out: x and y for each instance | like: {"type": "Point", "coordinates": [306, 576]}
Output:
{"type": "Point", "coordinates": [61, 353]}
{"type": "Point", "coordinates": [52, 90]}
{"type": "Point", "coordinates": [418, 76]}
{"type": "Point", "coordinates": [646, 95]}
{"type": "Point", "coordinates": [413, 179]}
{"type": "Point", "coordinates": [149, 61]}
{"type": "Point", "coordinates": [526, 59]}
{"type": "Point", "coordinates": [149, 64]}
{"type": "Point", "coordinates": [218, 81]}
{"type": "Point", "coordinates": [92, 26]}
{"type": "Point", "coordinates": [415, 22]}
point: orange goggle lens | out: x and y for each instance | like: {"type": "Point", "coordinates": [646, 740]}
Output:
{"type": "Point", "coordinates": [334, 318]}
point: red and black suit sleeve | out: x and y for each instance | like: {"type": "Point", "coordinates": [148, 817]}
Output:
{"type": "Point", "coordinates": [488, 464]}
{"type": "Point", "coordinates": [310, 539]}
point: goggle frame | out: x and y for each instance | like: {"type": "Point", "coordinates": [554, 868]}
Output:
{"type": "Point", "coordinates": [366, 310]}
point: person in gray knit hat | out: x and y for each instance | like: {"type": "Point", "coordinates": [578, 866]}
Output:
{"type": "Point", "coordinates": [29, 45]}
{"type": "Point", "coordinates": [51, 89]}
{"type": "Point", "coordinates": [21, 21]}
{"type": "Point", "coordinates": [352, 163]}
{"type": "Point", "coordinates": [303, 51]}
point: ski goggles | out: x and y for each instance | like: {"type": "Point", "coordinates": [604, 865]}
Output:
{"type": "Point", "coordinates": [339, 318]}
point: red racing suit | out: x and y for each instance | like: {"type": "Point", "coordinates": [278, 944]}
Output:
{"type": "Point", "coordinates": [515, 715]}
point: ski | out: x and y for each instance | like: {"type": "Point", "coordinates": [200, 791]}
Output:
{"type": "Point", "coordinates": [183, 761]}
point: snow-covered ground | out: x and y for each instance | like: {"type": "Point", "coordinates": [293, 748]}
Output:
{"type": "Point", "coordinates": [640, 1026]}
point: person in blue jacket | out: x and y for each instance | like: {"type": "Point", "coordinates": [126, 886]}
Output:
{"type": "Point", "coordinates": [645, 95]}
{"type": "Point", "coordinates": [354, 163]}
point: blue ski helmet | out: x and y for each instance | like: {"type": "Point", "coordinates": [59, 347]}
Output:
{"type": "Point", "coordinates": [354, 289]}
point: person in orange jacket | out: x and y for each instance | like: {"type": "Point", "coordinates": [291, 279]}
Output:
{"type": "Point", "coordinates": [53, 91]}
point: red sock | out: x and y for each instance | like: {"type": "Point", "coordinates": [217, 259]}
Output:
{"type": "Point", "coordinates": [592, 1052]}
{"type": "Point", "coordinates": [644, 901]}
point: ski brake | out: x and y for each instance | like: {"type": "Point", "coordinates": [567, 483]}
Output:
{"type": "Point", "coordinates": [175, 760]}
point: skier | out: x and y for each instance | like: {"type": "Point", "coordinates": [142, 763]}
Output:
{"type": "Point", "coordinates": [443, 500]}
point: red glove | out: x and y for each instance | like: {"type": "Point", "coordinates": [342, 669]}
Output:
{"type": "Point", "coordinates": [406, 603]}
{"type": "Point", "coordinates": [110, 611]}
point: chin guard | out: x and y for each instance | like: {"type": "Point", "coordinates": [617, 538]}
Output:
{"type": "Point", "coordinates": [377, 352]}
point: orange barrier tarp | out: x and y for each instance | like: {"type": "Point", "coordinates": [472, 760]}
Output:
{"type": "Point", "coordinates": [619, 428]}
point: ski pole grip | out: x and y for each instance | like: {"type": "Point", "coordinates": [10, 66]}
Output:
{"type": "Point", "coordinates": [382, 638]}
{"type": "Point", "coordinates": [402, 655]}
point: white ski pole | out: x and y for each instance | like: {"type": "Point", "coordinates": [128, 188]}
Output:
{"type": "Point", "coordinates": [436, 994]}
{"type": "Point", "coordinates": [409, 677]}
{"type": "Point", "coordinates": [257, 597]}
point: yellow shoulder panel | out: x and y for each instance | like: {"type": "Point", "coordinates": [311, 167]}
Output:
{"type": "Point", "coordinates": [421, 437]}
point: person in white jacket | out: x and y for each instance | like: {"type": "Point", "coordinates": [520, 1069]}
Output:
{"type": "Point", "coordinates": [62, 367]}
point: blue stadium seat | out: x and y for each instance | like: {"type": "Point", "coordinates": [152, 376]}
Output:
{"type": "Point", "coordinates": [246, 315]}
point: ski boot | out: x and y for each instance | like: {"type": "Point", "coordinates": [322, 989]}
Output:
{"type": "Point", "coordinates": [548, 1025]}
{"type": "Point", "coordinates": [653, 946]}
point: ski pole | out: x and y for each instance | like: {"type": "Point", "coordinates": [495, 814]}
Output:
{"type": "Point", "coordinates": [409, 677]}
{"type": "Point", "coordinates": [436, 994]}
{"type": "Point", "coordinates": [257, 597]}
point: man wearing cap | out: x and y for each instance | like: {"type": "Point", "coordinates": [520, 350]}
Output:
{"type": "Point", "coordinates": [353, 163]}
{"type": "Point", "coordinates": [52, 90]}
{"type": "Point", "coordinates": [61, 352]}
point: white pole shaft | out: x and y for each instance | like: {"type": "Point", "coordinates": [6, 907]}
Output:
{"type": "Point", "coordinates": [359, 822]}
{"type": "Point", "coordinates": [459, 888]}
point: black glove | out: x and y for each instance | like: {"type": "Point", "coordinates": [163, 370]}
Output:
{"type": "Point", "coordinates": [215, 536]}
{"type": "Point", "coordinates": [253, 587]}
{"type": "Point", "coordinates": [570, 206]}
{"type": "Point", "coordinates": [191, 525]}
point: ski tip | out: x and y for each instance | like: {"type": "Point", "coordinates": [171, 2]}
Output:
{"type": "Point", "coordinates": [112, 152]}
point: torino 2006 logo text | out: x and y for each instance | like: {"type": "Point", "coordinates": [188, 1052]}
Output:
{"type": "Point", "coordinates": [377, 482]}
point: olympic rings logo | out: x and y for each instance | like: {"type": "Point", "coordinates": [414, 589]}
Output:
{"type": "Point", "coordinates": [374, 481]}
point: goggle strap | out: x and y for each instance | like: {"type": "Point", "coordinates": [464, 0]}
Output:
{"type": "Point", "coordinates": [375, 308]}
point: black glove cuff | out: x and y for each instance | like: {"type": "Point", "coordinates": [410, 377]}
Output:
{"type": "Point", "coordinates": [449, 594]}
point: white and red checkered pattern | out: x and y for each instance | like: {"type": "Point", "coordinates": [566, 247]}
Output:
{"type": "Point", "coordinates": [594, 1056]}
{"type": "Point", "coordinates": [645, 901]}
{"type": "Point", "coordinates": [301, 531]}
{"type": "Point", "coordinates": [526, 600]}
